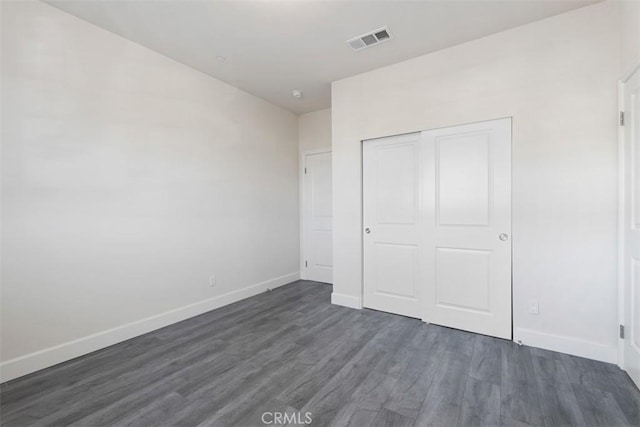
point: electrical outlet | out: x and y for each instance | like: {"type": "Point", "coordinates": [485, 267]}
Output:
{"type": "Point", "coordinates": [533, 306]}
{"type": "Point", "coordinates": [212, 280]}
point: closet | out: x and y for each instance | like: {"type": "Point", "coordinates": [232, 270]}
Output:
{"type": "Point", "coordinates": [437, 226]}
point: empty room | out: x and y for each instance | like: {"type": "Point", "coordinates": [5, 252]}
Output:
{"type": "Point", "coordinates": [319, 212]}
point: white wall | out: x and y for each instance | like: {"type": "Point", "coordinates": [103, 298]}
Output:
{"type": "Point", "coordinates": [557, 78]}
{"type": "Point", "coordinates": [630, 29]}
{"type": "Point", "coordinates": [314, 131]}
{"type": "Point", "coordinates": [127, 180]}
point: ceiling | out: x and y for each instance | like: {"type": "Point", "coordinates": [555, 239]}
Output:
{"type": "Point", "coordinates": [273, 47]}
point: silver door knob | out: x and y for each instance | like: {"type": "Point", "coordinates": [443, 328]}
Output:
{"type": "Point", "coordinates": [504, 237]}
{"type": "Point", "coordinates": [367, 230]}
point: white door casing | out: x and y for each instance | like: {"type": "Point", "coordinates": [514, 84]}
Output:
{"type": "Point", "coordinates": [437, 219]}
{"type": "Point", "coordinates": [468, 203]}
{"type": "Point", "coordinates": [631, 229]}
{"type": "Point", "coordinates": [391, 215]}
{"type": "Point", "coordinates": [317, 218]}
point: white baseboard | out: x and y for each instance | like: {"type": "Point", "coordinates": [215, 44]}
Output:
{"type": "Point", "coordinates": [346, 300]}
{"type": "Point", "coordinates": [569, 345]}
{"type": "Point", "coordinates": [53, 355]}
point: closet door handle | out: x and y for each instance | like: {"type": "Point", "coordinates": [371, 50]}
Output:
{"type": "Point", "coordinates": [504, 237]}
{"type": "Point", "coordinates": [367, 230]}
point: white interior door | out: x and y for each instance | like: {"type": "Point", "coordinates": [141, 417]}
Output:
{"type": "Point", "coordinates": [317, 218]}
{"type": "Point", "coordinates": [437, 218]}
{"type": "Point", "coordinates": [391, 215]}
{"type": "Point", "coordinates": [468, 203]}
{"type": "Point", "coordinates": [631, 255]}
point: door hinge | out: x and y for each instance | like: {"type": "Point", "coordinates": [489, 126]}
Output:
{"type": "Point", "coordinates": [621, 118]}
{"type": "Point", "coordinates": [622, 331]}
{"type": "Point", "coordinates": [305, 264]}
{"type": "Point", "coordinates": [305, 171]}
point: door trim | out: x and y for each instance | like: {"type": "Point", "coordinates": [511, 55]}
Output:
{"type": "Point", "coordinates": [303, 198]}
{"type": "Point", "coordinates": [621, 219]}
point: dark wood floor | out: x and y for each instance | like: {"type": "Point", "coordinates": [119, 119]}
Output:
{"type": "Point", "coordinates": [290, 351]}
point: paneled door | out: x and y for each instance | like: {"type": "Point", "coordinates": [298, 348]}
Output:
{"type": "Point", "coordinates": [468, 232]}
{"type": "Point", "coordinates": [317, 218]}
{"type": "Point", "coordinates": [391, 215]}
{"type": "Point", "coordinates": [437, 226]}
{"type": "Point", "coordinates": [630, 356]}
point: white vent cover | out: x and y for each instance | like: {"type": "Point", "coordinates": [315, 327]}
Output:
{"type": "Point", "coordinates": [369, 39]}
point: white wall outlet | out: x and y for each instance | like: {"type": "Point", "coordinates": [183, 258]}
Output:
{"type": "Point", "coordinates": [212, 280]}
{"type": "Point", "coordinates": [533, 306]}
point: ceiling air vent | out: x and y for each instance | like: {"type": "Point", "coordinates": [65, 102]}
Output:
{"type": "Point", "coordinates": [369, 39]}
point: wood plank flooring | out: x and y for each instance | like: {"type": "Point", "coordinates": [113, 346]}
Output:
{"type": "Point", "coordinates": [289, 351]}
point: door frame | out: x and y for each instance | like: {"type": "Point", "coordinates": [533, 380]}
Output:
{"type": "Point", "coordinates": [621, 220]}
{"type": "Point", "coordinates": [363, 141]}
{"type": "Point", "coordinates": [622, 205]}
{"type": "Point", "coordinates": [303, 200]}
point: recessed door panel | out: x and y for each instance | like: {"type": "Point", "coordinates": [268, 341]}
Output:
{"type": "Point", "coordinates": [396, 270]}
{"type": "Point", "coordinates": [463, 179]}
{"type": "Point", "coordinates": [465, 288]}
{"type": "Point", "coordinates": [323, 248]}
{"type": "Point", "coordinates": [319, 171]}
{"type": "Point", "coordinates": [635, 295]}
{"type": "Point", "coordinates": [396, 186]}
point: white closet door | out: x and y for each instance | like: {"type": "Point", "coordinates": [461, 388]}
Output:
{"type": "Point", "coordinates": [437, 226]}
{"type": "Point", "coordinates": [318, 218]}
{"type": "Point", "coordinates": [631, 254]}
{"type": "Point", "coordinates": [467, 193]}
{"type": "Point", "coordinates": [392, 270]}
